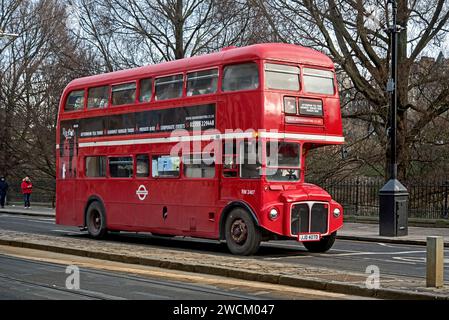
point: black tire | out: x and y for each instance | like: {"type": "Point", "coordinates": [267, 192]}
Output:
{"type": "Point", "coordinates": [242, 235]}
{"type": "Point", "coordinates": [323, 245]}
{"type": "Point", "coordinates": [96, 220]}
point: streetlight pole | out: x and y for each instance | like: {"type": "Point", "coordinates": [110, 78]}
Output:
{"type": "Point", "coordinates": [393, 197]}
{"type": "Point", "coordinates": [394, 94]}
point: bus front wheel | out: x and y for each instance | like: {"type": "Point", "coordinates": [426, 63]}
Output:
{"type": "Point", "coordinates": [96, 220]}
{"type": "Point", "coordinates": [242, 235]}
{"type": "Point", "coordinates": [323, 245]}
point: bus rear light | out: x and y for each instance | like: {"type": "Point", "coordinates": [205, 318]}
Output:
{"type": "Point", "coordinates": [290, 105]}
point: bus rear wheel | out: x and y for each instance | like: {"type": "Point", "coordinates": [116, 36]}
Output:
{"type": "Point", "coordinates": [323, 245]}
{"type": "Point", "coordinates": [96, 220]}
{"type": "Point", "coordinates": [242, 235]}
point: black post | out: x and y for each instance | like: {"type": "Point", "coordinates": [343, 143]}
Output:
{"type": "Point", "coordinates": [357, 181]}
{"type": "Point", "coordinates": [445, 213]}
{"type": "Point", "coordinates": [393, 197]}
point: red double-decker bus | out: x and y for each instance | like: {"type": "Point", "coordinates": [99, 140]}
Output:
{"type": "Point", "coordinates": [212, 146]}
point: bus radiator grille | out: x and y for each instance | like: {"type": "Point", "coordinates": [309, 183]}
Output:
{"type": "Point", "coordinates": [307, 218]}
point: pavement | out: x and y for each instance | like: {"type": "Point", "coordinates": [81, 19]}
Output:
{"type": "Point", "coordinates": [350, 230]}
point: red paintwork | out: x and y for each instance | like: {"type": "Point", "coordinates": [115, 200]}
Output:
{"type": "Point", "coordinates": [195, 205]}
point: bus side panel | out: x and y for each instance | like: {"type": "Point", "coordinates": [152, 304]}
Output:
{"type": "Point", "coordinates": [65, 213]}
{"type": "Point", "coordinates": [198, 201]}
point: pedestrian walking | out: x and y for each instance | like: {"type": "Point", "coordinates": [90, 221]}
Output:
{"type": "Point", "coordinates": [27, 188]}
{"type": "Point", "coordinates": [3, 190]}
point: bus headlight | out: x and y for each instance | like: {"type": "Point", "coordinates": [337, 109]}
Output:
{"type": "Point", "coordinates": [273, 214]}
{"type": "Point", "coordinates": [337, 212]}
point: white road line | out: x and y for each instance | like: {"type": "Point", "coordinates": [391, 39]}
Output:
{"type": "Point", "coordinates": [390, 261]}
{"type": "Point", "coordinates": [392, 246]}
{"type": "Point", "coordinates": [376, 253]}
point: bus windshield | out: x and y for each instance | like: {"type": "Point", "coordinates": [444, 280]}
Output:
{"type": "Point", "coordinates": [283, 161]}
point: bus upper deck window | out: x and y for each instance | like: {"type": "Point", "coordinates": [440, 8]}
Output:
{"type": "Point", "coordinates": [281, 77]}
{"type": "Point", "coordinates": [75, 101]}
{"type": "Point", "coordinates": [169, 87]}
{"type": "Point", "coordinates": [123, 94]}
{"type": "Point", "coordinates": [98, 97]}
{"type": "Point", "coordinates": [146, 90]}
{"type": "Point", "coordinates": [318, 81]}
{"type": "Point", "coordinates": [240, 77]}
{"type": "Point", "coordinates": [202, 82]}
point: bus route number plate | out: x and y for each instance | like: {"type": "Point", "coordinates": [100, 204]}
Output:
{"type": "Point", "coordinates": [309, 237]}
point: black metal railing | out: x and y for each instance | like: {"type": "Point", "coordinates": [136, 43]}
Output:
{"type": "Point", "coordinates": [360, 196]}
{"type": "Point", "coordinates": [43, 192]}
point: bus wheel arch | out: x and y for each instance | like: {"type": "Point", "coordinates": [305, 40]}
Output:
{"type": "Point", "coordinates": [227, 210]}
{"type": "Point", "coordinates": [95, 218]}
{"type": "Point", "coordinates": [241, 231]}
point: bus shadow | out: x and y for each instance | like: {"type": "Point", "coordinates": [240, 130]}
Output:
{"type": "Point", "coordinates": [195, 244]}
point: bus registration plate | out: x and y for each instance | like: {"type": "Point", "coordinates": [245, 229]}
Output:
{"type": "Point", "coordinates": [309, 237]}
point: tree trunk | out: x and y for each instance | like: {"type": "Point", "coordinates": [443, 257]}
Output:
{"type": "Point", "coordinates": [179, 30]}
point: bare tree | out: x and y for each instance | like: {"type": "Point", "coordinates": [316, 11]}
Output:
{"type": "Point", "coordinates": [130, 33]}
{"type": "Point", "coordinates": [34, 69]}
{"type": "Point", "coordinates": [352, 32]}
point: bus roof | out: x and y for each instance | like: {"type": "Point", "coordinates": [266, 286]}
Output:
{"type": "Point", "coordinates": [273, 51]}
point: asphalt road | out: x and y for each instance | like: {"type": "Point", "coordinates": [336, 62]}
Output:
{"type": "Point", "coordinates": [26, 279]}
{"type": "Point", "coordinates": [391, 259]}
{"type": "Point", "coordinates": [34, 274]}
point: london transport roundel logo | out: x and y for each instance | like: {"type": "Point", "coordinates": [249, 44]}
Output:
{"type": "Point", "coordinates": [142, 192]}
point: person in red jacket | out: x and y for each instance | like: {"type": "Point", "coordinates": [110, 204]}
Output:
{"type": "Point", "coordinates": [27, 188]}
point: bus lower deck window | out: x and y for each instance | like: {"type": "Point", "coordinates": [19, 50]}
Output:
{"type": "Point", "coordinates": [142, 166]}
{"type": "Point", "coordinates": [121, 167]}
{"type": "Point", "coordinates": [250, 166]}
{"type": "Point", "coordinates": [165, 166]}
{"type": "Point", "coordinates": [199, 166]}
{"type": "Point", "coordinates": [95, 166]}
